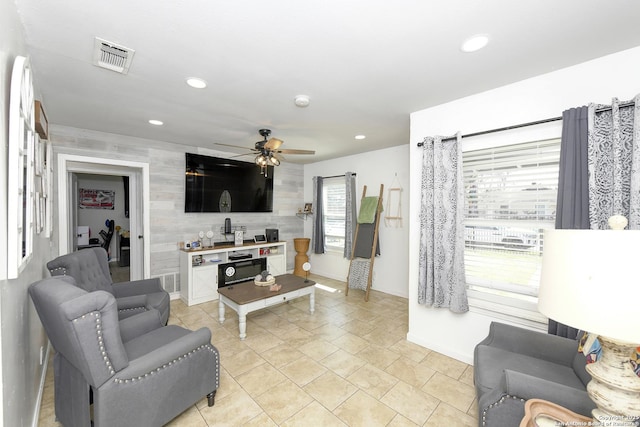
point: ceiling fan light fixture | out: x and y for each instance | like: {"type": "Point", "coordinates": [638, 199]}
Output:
{"type": "Point", "coordinates": [261, 160]}
{"type": "Point", "coordinates": [196, 82]}
{"type": "Point", "coordinates": [274, 160]}
{"type": "Point", "coordinates": [301, 101]}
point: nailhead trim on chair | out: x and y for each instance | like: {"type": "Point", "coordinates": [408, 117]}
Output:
{"type": "Point", "coordinates": [166, 365]}
{"type": "Point", "coordinates": [140, 307]}
{"type": "Point", "coordinates": [502, 399]}
{"type": "Point", "coordinates": [64, 271]}
{"type": "Point", "coordinates": [103, 351]}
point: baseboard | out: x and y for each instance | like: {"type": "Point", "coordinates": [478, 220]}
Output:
{"type": "Point", "coordinates": [43, 379]}
{"type": "Point", "coordinates": [440, 349]}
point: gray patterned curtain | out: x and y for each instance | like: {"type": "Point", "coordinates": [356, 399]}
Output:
{"type": "Point", "coordinates": [614, 163]}
{"type": "Point", "coordinates": [572, 207]}
{"type": "Point", "coordinates": [441, 278]}
{"type": "Point", "coordinates": [350, 212]}
{"type": "Point", "coordinates": [599, 171]}
{"type": "Point", "coordinates": [317, 233]}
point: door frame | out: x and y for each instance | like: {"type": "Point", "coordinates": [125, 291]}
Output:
{"type": "Point", "coordinates": [69, 164]}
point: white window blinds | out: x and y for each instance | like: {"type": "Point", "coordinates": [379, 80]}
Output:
{"type": "Point", "coordinates": [510, 198]}
{"type": "Point", "coordinates": [334, 213]}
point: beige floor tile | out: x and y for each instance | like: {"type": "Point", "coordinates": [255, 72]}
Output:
{"type": "Point", "coordinates": [241, 362]}
{"type": "Point", "coordinates": [281, 355]}
{"type": "Point", "coordinates": [445, 365]}
{"type": "Point", "coordinates": [232, 410]}
{"type": "Point", "coordinates": [446, 415]}
{"type": "Point", "coordinates": [362, 410]}
{"type": "Point", "coordinates": [260, 379]}
{"type": "Point", "coordinates": [262, 420]}
{"type": "Point", "coordinates": [313, 414]}
{"type": "Point", "coordinates": [318, 349]}
{"type": "Point", "coordinates": [410, 372]}
{"type": "Point", "coordinates": [400, 421]}
{"type": "Point", "coordinates": [263, 342]}
{"type": "Point", "coordinates": [372, 380]}
{"type": "Point", "coordinates": [189, 418]}
{"type": "Point", "coordinates": [351, 343]}
{"type": "Point", "coordinates": [303, 370]}
{"type": "Point", "coordinates": [378, 356]}
{"type": "Point", "coordinates": [343, 363]}
{"type": "Point", "coordinates": [410, 402]}
{"type": "Point", "coordinates": [357, 327]}
{"type": "Point", "coordinates": [467, 376]}
{"type": "Point", "coordinates": [410, 350]}
{"type": "Point", "coordinates": [283, 401]}
{"type": "Point", "coordinates": [451, 391]}
{"type": "Point", "coordinates": [330, 390]}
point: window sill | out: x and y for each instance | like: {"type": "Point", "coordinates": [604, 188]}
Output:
{"type": "Point", "coordinates": [513, 310]}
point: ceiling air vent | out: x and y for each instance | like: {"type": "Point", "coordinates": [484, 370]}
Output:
{"type": "Point", "coordinates": [112, 56]}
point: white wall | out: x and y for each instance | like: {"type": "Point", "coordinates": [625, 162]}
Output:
{"type": "Point", "coordinates": [21, 334]}
{"type": "Point", "coordinates": [388, 167]}
{"type": "Point", "coordinates": [95, 218]}
{"type": "Point", "coordinates": [538, 98]}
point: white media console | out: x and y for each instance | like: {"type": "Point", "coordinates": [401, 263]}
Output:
{"type": "Point", "coordinates": [199, 267]}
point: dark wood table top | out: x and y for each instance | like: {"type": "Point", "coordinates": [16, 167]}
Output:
{"type": "Point", "coordinates": [246, 292]}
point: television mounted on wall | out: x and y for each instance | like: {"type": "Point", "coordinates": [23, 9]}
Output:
{"type": "Point", "coordinates": [214, 184]}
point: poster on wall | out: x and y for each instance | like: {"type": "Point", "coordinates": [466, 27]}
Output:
{"type": "Point", "coordinates": [96, 199]}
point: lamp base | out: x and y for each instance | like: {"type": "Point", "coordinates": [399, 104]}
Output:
{"type": "Point", "coordinates": [614, 387]}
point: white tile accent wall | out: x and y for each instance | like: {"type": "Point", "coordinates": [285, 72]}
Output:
{"type": "Point", "coordinates": [169, 223]}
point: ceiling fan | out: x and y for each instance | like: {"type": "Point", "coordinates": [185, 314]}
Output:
{"type": "Point", "coordinates": [269, 151]}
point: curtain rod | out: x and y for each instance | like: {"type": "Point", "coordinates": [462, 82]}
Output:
{"type": "Point", "coordinates": [538, 122]}
{"type": "Point", "coordinates": [335, 176]}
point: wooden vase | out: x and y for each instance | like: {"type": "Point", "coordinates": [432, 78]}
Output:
{"type": "Point", "coordinates": [301, 246]}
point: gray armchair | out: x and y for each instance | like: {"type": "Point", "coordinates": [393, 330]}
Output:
{"type": "Point", "coordinates": [90, 268]}
{"type": "Point", "coordinates": [514, 364]}
{"type": "Point", "coordinates": [144, 381]}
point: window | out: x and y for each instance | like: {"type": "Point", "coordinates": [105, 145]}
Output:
{"type": "Point", "coordinates": [333, 206]}
{"type": "Point", "coordinates": [510, 198]}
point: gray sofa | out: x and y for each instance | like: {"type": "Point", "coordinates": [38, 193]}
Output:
{"type": "Point", "coordinates": [514, 364]}
{"type": "Point", "coordinates": [139, 377]}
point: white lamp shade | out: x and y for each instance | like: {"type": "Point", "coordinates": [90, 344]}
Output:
{"type": "Point", "coordinates": [590, 281]}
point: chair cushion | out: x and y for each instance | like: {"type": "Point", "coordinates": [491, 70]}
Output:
{"type": "Point", "coordinates": [495, 360]}
{"type": "Point", "coordinates": [153, 340]}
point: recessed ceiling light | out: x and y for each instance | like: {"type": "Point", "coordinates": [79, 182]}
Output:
{"type": "Point", "coordinates": [360, 136]}
{"type": "Point", "coordinates": [156, 122]}
{"type": "Point", "coordinates": [196, 82]}
{"type": "Point", "coordinates": [474, 43]}
{"type": "Point", "coordinates": [301, 101]}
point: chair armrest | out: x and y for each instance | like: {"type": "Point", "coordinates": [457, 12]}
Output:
{"type": "Point", "coordinates": [161, 357]}
{"type": "Point", "coordinates": [531, 343]}
{"type": "Point", "coordinates": [131, 302]}
{"type": "Point", "coordinates": [137, 287]}
{"type": "Point", "coordinates": [140, 324]}
{"type": "Point", "coordinates": [523, 386]}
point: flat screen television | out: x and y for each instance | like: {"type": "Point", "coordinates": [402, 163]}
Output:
{"type": "Point", "coordinates": [214, 184]}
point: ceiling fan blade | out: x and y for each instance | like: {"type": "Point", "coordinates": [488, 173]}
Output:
{"type": "Point", "coordinates": [273, 144]}
{"type": "Point", "coordinates": [240, 155]}
{"type": "Point", "coordinates": [293, 151]}
{"type": "Point", "coordinates": [234, 146]}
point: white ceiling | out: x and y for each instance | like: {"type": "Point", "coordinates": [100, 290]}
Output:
{"type": "Point", "coordinates": [365, 64]}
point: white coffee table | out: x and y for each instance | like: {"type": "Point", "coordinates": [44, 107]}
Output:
{"type": "Point", "coordinates": [246, 297]}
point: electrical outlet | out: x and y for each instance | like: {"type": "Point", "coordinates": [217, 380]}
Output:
{"type": "Point", "coordinates": [41, 355]}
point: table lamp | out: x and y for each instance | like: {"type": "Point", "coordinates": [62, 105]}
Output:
{"type": "Point", "coordinates": [590, 281]}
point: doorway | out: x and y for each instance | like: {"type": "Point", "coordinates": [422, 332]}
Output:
{"type": "Point", "coordinates": [138, 176]}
